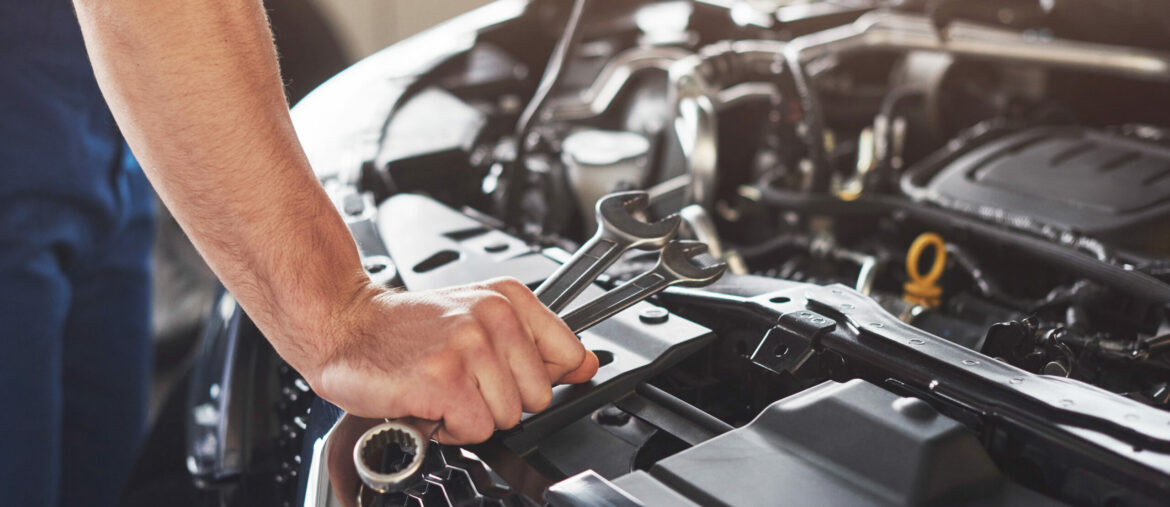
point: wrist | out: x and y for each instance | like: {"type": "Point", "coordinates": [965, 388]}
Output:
{"type": "Point", "coordinates": [318, 292]}
{"type": "Point", "coordinates": [328, 331]}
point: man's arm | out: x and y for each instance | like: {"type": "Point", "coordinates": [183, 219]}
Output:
{"type": "Point", "coordinates": [195, 88]}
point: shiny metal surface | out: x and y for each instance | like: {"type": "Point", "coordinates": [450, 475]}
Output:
{"type": "Point", "coordinates": [886, 30]}
{"type": "Point", "coordinates": [703, 228]}
{"type": "Point", "coordinates": [371, 465]}
{"type": "Point", "coordinates": [697, 101]}
{"type": "Point", "coordinates": [674, 267]}
{"type": "Point", "coordinates": [618, 230]}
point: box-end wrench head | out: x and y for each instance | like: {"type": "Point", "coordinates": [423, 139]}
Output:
{"type": "Point", "coordinates": [675, 267]}
{"type": "Point", "coordinates": [618, 230]}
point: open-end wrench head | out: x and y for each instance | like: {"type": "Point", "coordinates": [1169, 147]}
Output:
{"type": "Point", "coordinates": [678, 258]}
{"type": "Point", "coordinates": [617, 217]}
{"type": "Point", "coordinates": [675, 266]}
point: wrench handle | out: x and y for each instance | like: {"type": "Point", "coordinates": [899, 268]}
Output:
{"type": "Point", "coordinates": [617, 299]}
{"type": "Point", "coordinates": [567, 282]}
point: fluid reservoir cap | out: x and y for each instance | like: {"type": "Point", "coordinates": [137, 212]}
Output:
{"type": "Point", "coordinates": [601, 161]}
{"type": "Point", "coordinates": [603, 147]}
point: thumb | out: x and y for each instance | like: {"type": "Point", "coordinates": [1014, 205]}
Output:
{"type": "Point", "coordinates": [584, 372]}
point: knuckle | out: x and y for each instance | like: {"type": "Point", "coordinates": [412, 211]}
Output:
{"type": "Point", "coordinates": [509, 283]}
{"type": "Point", "coordinates": [492, 304]}
{"type": "Point", "coordinates": [514, 289]}
{"type": "Point", "coordinates": [523, 294]}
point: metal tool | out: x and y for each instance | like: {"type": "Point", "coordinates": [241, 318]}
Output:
{"type": "Point", "coordinates": [389, 455]}
{"type": "Point", "coordinates": [618, 230]}
{"type": "Point", "coordinates": [675, 267]}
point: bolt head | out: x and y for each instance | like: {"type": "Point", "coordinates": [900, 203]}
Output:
{"type": "Point", "coordinates": [653, 315]}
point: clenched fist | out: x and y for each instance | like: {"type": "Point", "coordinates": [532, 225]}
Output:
{"type": "Point", "coordinates": [474, 356]}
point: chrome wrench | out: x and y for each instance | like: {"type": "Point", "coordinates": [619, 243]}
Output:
{"type": "Point", "coordinates": [675, 267]}
{"type": "Point", "coordinates": [618, 230]}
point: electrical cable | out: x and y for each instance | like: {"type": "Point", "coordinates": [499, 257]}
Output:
{"type": "Point", "coordinates": [814, 122]}
{"type": "Point", "coordinates": [515, 179]}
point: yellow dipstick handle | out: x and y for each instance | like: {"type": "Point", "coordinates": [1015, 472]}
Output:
{"type": "Point", "coordinates": [924, 290]}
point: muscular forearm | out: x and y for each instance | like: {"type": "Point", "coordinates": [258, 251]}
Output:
{"type": "Point", "coordinates": [195, 88]}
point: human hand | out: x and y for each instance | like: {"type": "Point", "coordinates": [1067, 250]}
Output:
{"type": "Point", "coordinates": [472, 356]}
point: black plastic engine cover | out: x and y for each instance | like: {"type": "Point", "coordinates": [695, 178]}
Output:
{"type": "Point", "coordinates": [834, 444]}
{"type": "Point", "coordinates": [1103, 185]}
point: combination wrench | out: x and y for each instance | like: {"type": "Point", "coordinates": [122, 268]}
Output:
{"type": "Point", "coordinates": [675, 267]}
{"type": "Point", "coordinates": [618, 231]}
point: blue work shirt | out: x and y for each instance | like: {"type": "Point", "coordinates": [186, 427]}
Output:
{"type": "Point", "coordinates": [58, 139]}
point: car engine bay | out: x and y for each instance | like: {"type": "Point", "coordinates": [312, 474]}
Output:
{"type": "Point", "coordinates": [946, 226]}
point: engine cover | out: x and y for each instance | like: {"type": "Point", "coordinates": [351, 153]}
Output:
{"type": "Point", "coordinates": [1103, 185]}
{"type": "Point", "coordinates": [893, 451]}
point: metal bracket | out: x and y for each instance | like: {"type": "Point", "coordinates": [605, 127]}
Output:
{"type": "Point", "coordinates": [790, 344]}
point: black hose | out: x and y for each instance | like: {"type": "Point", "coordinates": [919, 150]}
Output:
{"type": "Point", "coordinates": [516, 178]}
{"type": "Point", "coordinates": [814, 124]}
{"type": "Point", "coordinates": [1106, 349]}
{"type": "Point", "coordinates": [987, 286]}
{"type": "Point", "coordinates": [772, 245]}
